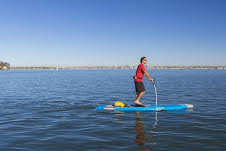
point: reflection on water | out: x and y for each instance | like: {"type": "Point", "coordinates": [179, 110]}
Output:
{"type": "Point", "coordinates": [140, 137]}
{"type": "Point", "coordinates": [156, 120]}
{"type": "Point", "coordinates": [146, 134]}
{"type": "Point", "coordinates": [118, 113]}
{"type": "Point", "coordinates": [190, 110]}
{"type": "Point", "coordinates": [143, 137]}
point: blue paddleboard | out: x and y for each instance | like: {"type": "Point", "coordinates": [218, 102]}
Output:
{"type": "Point", "coordinates": [147, 108]}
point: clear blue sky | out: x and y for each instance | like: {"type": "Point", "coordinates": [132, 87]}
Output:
{"type": "Point", "coordinates": [108, 32]}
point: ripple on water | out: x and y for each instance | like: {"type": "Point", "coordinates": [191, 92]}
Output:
{"type": "Point", "coordinates": [55, 110]}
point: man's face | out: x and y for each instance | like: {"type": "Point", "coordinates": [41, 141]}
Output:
{"type": "Point", "coordinates": [145, 61]}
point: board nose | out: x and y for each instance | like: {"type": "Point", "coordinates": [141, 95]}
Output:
{"type": "Point", "coordinates": [190, 106]}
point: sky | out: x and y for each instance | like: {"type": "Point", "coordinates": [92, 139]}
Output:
{"type": "Point", "coordinates": [112, 32]}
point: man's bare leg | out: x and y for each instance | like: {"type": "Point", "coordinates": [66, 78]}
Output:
{"type": "Point", "coordinates": [138, 96]}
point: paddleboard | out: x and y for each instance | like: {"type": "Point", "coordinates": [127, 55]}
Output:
{"type": "Point", "coordinates": [147, 108]}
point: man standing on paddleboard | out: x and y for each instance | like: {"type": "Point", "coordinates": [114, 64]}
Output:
{"type": "Point", "coordinates": [140, 90]}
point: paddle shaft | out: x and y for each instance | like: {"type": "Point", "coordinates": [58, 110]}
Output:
{"type": "Point", "coordinates": [156, 96]}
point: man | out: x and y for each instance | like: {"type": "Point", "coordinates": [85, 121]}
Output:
{"type": "Point", "coordinates": [140, 90]}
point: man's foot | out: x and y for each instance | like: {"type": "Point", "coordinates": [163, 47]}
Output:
{"type": "Point", "coordinates": [137, 103]}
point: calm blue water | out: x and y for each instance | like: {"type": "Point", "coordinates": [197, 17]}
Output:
{"type": "Point", "coordinates": [44, 110]}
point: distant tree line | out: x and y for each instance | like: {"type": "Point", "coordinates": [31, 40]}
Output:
{"type": "Point", "coordinates": [4, 65]}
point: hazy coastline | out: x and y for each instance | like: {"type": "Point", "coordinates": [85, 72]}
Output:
{"type": "Point", "coordinates": [116, 67]}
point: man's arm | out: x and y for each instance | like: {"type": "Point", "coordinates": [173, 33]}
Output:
{"type": "Point", "coordinates": [148, 76]}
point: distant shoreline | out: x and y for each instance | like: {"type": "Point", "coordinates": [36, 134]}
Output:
{"type": "Point", "coordinates": [118, 67]}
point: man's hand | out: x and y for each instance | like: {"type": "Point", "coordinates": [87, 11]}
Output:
{"type": "Point", "coordinates": [152, 80]}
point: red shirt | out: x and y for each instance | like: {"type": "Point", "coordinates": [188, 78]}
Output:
{"type": "Point", "coordinates": [140, 73]}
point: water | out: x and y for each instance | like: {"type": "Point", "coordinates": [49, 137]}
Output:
{"type": "Point", "coordinates": [55, 110]}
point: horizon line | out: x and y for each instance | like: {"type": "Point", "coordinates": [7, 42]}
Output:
{"type": "Point", "coordinates": [116, 65]}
